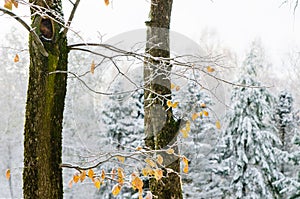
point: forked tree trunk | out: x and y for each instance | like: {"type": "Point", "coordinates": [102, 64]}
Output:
{"type": "Point", "coordinates": [160, 127]}
{"type": "Point", "coordinates": [42, 175]}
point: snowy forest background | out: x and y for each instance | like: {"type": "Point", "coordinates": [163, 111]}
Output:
{"type": "Point", "coordinates": [257, 147]}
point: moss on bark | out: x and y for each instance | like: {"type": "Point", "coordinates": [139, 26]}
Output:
{"type": "Point", "coordinates": [42, 175]}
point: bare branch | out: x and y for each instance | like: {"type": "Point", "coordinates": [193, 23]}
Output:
{"type": "Point", "coordinates": [75, 5]}
{"type": "Point", "coordinates": [31, 31]}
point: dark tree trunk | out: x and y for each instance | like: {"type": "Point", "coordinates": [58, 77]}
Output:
{"type": "Point", "coordinates": [42, 175]}
{"type": "Point", "coordinates": [160, 127]}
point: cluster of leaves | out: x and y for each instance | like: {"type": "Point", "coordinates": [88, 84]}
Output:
{"type": "Point", "coordinates": [154, 167]}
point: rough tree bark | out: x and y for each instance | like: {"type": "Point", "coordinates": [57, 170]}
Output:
{"type": "Point", "coordinates": [42, 175]}
{"type": "Point", "coordinates": [160, 126]}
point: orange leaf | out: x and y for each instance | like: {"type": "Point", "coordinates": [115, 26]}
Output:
{"type": "Point", "coordinates": [205, 113]}
{"type": "Point", "coordinates": [210, 69]}
{"type": "Point", "coordinates": [177, 88]}
{"type": "Point", "coordinates": [16, 59]}
{"type": "Point", "coordinates": [186, 164]}
{"type": "Point", "coordinates": [116, 189]}
{"type": "Point", "coordinates": [159, 159]}
{"type": "Point", "coordinates": [194, 116]}
{"type": "Point", "coordinates": [82, 176]}
{"type": "Point", "coordinates": [138, 148]}
{"type": "Point", "coordinates": [93, 66]}
{"type": "Point", "coordinates": [76, 178]}
{"type": "Point", "coordinates": [97, 183]}
{"type": "Point", "coordinates": [186, 169]}
{"type": "Point", "coordinates": [218, 124]}
{"type": "Point", "coordinates": [91, 173]}
{"type": "Point", "coordinates": [70, 184]}
{"type": "Point", "coordinates": [202, 105]}
{"type": "Point", "coordinates": [103, 174]}
{"type": "Point", "coordinates": [15, 3]}
{"type": "Point", "coordinates": [185, 161]}
{"type": "Point", "coordinates": [7, 174]}
{"type": "Point", "coordinates": [8, 4]}
{"type": "Point", "coordinates": [106, 2]}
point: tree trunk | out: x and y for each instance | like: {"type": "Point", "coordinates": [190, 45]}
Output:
{"type": "Point", "coordinates": [160, 127]}
{"type": "Point", "coordinates": [42, 175]}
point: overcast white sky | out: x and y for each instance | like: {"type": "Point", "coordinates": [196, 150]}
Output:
{"type": "Point", "coordinates": [237, 22]}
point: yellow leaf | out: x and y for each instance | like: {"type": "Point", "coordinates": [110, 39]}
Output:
{"type": "Point", "coordinates": [136, 182]}
{"type": "Point", "coordinates": [70, 184]}
{"type": "Point", "coordinates": [159, 159]}
{"type": "Point", "coordinates": [170, 151]}
{"type": "Point", "coordinates": [158, 174]}
{"type": "Point", "coordinates": [82, 175]}
{"type": "Point", "coordinates": [184, 132]}
{"type": "Point", "coordinates": [188, 126]}
{"type": "Point", "coordinates": [8, 4]}
{"type": "Point", "coordinates": [91, 173]}
{"type": "Point", "coordinates": [200, 114]}
{"type": "Point", "coordinates": [106, 2]}
{"type": "Point", "coordinates": [76, 178]}
{"type": "Point", "coordinates": [93, 66]}
{"type": "Point", "coordinates": [202, 105]}
{"type": "Point", "coordinates": [121, 158]}
{"type": "Point", "coordinates": [16, 59]}
{"type": "Point", "coordinates": [175, 104]}
{"type": "Point", "coordinates": [146, 171]}
{"type": "Point", "coordinates": [205, 113]}
{"type": "Point", "coordinates": [102, 174]}
{"type": "Point", "coordinates": [121, 176]}
{"type": "Point", "coordinates": [194, 116]}
{"type": "Point", "coordinates": [97, 183]}
{"type": "Point", "coordinates": [7, 174]}
{"type": "Point", "coordinates": [218, 124]}
{"type": "Point", "coordinates": [116, 189]}
{"type": "Point", "coordinates": [173, 86]}
{"type": "Point", "coordinates": [169, 103]}
{"type": "Point", "coordinates": [177, 88]}
{"type": "Point", "coordinates": [186, 169]}
{"type": "Point", "coordinates": [185, 161]}
{"type": "Point", "coordinates": [210, 69]}
{"type": "Point", "coordinates": [150, 162]}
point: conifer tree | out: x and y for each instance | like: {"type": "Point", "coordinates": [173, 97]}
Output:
{"type": "Point", "coordinates": [250, 138]}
